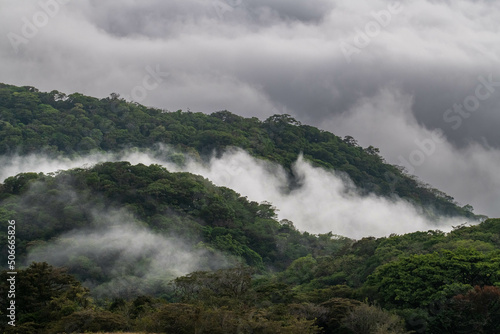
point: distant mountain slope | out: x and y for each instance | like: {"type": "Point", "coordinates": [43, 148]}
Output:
{"type": "Point", "coordinates": [53, 123]}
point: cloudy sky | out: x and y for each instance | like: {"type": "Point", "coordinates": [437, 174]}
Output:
{"type": "Point", "coordinates": [418, 79]}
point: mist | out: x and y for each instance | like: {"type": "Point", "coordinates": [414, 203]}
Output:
{"type": "Point", "coordinates": [468, 173]}
{"type": "Point", "coordinates": [129, 257]}
{"type": "Point", "coordinates": [325, 201]}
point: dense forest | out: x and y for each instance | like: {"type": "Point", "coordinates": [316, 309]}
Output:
{"type": "Point", "coordinates": [57, 124]}
{"type": "Point", "coordinates": [123, 247]}
{"type": "Point", "coordinates": [275, 279]}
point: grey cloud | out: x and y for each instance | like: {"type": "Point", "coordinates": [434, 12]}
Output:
{"type": "Point", "coordinates": [310, 11]}
{"type": "Point", "coordinates": [469, 174]}
{"type": "Point", "coordinates": [161, 19]}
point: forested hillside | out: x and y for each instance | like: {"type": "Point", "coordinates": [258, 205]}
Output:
{"type": "Point", "coordinates": [181, 204]}
{"type": "Point", "coordinates": [123, 247]}
{"type": "Point", "coordinates": [56, 124]}
{"type": "Point", "coordinates": [256, 274]}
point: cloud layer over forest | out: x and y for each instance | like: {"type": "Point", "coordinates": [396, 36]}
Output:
{"type": "Point", "coordinates": [335, 64]}
{"type": "Point", "coordinates": [325, 201]}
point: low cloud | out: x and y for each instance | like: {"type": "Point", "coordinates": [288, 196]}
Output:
{"type": "Point", "coordinates": [129, 257]}
{"type": "Point", "coordinates": [469, 173]}
{"type": "Point", "coordinates": [325, 201]}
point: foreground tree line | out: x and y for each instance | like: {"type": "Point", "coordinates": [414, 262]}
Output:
{"type": "Point", "coordinates": [275, 279]}
{"type": "Point", "coordinates": [231, 301]}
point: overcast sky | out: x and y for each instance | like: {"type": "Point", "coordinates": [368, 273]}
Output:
{"type": "Point", "coordinates": [418, 79]}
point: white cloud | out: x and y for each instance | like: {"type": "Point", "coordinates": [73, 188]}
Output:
{"type": "Point", "coordinates": [324, 202]}
{"type": "Point", "coordinates": [134, 260]}
{"type": "Point", "coordinates": [469, 174]}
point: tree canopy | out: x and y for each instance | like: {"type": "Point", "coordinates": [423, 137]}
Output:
{"type": "Point", "coordinates": [54, 123]}
{"type": "Point", "coordinates": [253, 273]}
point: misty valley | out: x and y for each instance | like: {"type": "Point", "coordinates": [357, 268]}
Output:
{"type": "Point", "coordinates": [117, 217]}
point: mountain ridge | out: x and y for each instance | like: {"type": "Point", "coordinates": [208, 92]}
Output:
{"type": "Point", "coordinates": [54, 123]}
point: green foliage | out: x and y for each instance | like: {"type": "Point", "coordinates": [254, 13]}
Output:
{"type": "Point", "coordinates": [233, 283]}
{"type": "Point", "coordinates": [366, 319]}
{"type": "Point", "coordinates": [420, 280]}
{"type": "Point", "coordinates": [300, 271]}
{"type": "Point", "coordinates": [180, 204]}
{"type": "Point", "coordinates": [338, 310]}
{"type": "Point", "coordinates": [17, 184]}
{"type": "Point", "coordinates": [188, 318]}
{"type": "Point", "coordinates": [282, 280]}
{"type": "Point", "coordinates": [43, 294]}
{"type": "Point", "coordinates": [427, 277]}
{"type": "Point", "coordinates": [476, 311]}
{"type": "Point", "coordinates": [33, 121]}
{"type": "Point", "coordinates": [90, 321]}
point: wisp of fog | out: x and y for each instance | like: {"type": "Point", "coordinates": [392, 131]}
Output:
{"type": "Point", "coordinates": [130, 258]}
{"type": "Point", "coordinates": [325, 201]}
